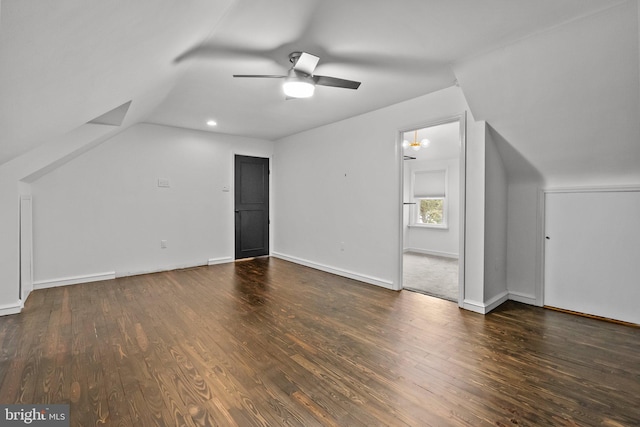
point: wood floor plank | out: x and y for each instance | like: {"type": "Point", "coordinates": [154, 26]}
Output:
{"type": "Point", "coordinates": [269, 343]}
{"type": "Point", "coordinates": [26, 356]}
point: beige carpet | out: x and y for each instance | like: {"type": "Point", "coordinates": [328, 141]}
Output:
{"type": "Point", "coordinates": [431, 275]}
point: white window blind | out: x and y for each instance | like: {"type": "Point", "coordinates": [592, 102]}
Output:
{"type": "Point", "coordinates": [429, 184]}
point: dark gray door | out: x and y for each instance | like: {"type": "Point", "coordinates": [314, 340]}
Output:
{"type": "Point", "coordinates": [252, 206]}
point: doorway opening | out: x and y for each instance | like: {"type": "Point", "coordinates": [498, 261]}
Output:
{"type": "Point", "coordinates": [433, 195]}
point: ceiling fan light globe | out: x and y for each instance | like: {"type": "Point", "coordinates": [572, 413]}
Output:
{"type": "Point", "coordinates": [415, 147]}
{"type": "Point", "coordinates": [405, 144]}
{"type": "Point", "coordinates": [298, 89]}
{"type": "Point", "coordinates": [425, 142]}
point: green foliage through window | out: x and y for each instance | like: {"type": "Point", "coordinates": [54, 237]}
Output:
{"type": "Point", "coordinates": [431, 211]}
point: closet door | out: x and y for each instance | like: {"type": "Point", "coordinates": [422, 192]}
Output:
{"type": "Point", "coordinates": [251, 206]}
{"type": "Point", "coordinates": [592, 253]}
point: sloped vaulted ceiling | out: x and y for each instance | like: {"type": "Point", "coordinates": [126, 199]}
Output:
{"type": "Point", "coordinates": [398, 50]}
{"type": "Point", "coordinates": [565, 100]}
{"type": "Point", "coordinates": [65, 62]}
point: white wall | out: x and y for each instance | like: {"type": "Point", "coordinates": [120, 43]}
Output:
{"type": "Point", "coordinates": [103, 212]}
{"type": "Point", "coordinates": [495, 244]}
{"type": "Point", "coordinates": [406, 198]}
{"type": "Point", "coordinates": [436, 241]}
{"type": "Point", "coordinates": [474, 229]}
{"type": "Point", "coordinates": [341, 183]}
{"type": "Point", "coordinates": [17, 174]}
{"type": "Point", "coordinates": [523, 233]}
{"type": "Point", "coordinates": [13, 183]}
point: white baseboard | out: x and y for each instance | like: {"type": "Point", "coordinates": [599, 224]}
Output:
{"type": "Point", "coordinates": [485, 307]}
{"type": "Point", "coordinates": [223, 260]}
{"type": "Point", "coordinates": [474, 306]}
{"type": "Point", "coordinates": [161, 269]}
{"type": "Point", "coordinates": [64, 281]}
{"type": "Point", "coordinates": [496, 301]}
{"type": "Point", "coordinates": [434, 253]}
{"type": "Point", "coordinates": [337, 271]}
{"type": "Point", "coordinates": [523, 298]}
{"type": "Point", "coordinates": [14, 308]}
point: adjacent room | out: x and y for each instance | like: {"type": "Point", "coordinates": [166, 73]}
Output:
{"type": "Point", "coordinates": [431, 217]}
{"type": "Point", "coordinates": [320, 212]}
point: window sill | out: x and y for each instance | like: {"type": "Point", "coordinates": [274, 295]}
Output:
{"type": "Point", "coordinates": [430, 226]}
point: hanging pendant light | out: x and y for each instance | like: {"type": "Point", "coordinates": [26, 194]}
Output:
{"type": "Point", "coordinates": [415, 145]}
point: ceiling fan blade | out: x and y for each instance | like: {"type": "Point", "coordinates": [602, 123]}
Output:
{"type": "Point", "coordinates": [306, 63]}
{"type": "Point", "coordinates": [260, 76]}
{"type": "Point", "coordinates": [336, 82]}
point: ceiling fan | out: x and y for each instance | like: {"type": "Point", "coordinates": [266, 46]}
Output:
{"type": "Point", "coordinates": [300, 82]}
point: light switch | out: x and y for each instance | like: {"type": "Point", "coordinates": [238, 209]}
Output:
{"type": "Point", "coordinates": [225, 188]}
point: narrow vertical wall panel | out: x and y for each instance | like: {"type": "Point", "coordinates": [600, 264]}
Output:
{"type": "Point", "coordinates": [26, 247]}
{"type": "Point", "coordinates": [592, 253]}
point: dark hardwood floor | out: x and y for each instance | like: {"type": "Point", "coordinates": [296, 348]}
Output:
{"type": "Point", "coordinates": [270, 343]}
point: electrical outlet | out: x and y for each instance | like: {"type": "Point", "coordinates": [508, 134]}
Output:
{"type": "Point", "coordinates": [342, 246]}
{"type": "Point", "coordinates": [164, 182]}
{"type": "Point", "coordinates": [163, 244]}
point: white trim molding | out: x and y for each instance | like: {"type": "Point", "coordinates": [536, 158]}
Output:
{"type": "Point", "coordinates": [162, 269]}
{"type": "Point", "coordinates": [222, 260]}
{"type": "Point", "coordinates": [337, 271]}
{"type": "Point", "coordinates": [74, 280]}
{"type": "Point", "coordinates": [434, 253]}
{"type": "Point", "coordinates": [592, 189]}
{"type": "Point", "coordinates": [523, 298]}
{"type": "Point", "coordinates": [539, 257]}
{"type": "Point", "coordinates": [486, 307]}
{"type": "Point", "coordinates": [64, 281]}
{"type": "Point", "coordinates": [14, 308]}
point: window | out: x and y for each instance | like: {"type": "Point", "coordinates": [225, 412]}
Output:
{"type": "Point", "coordinates": [429, 193]}
{"type": "Point", "coordinates": [430, 211]}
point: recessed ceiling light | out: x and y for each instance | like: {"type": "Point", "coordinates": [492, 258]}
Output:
{"type": "Point", "coordinates": [211, 123]}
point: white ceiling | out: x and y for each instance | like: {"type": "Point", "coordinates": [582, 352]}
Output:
{"type": "Point", "coordinates": [444, 142]}
{"type": "Point", "coordinates": [398, 50]}
{"type": "Point", "coordinates": [66, 62]}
